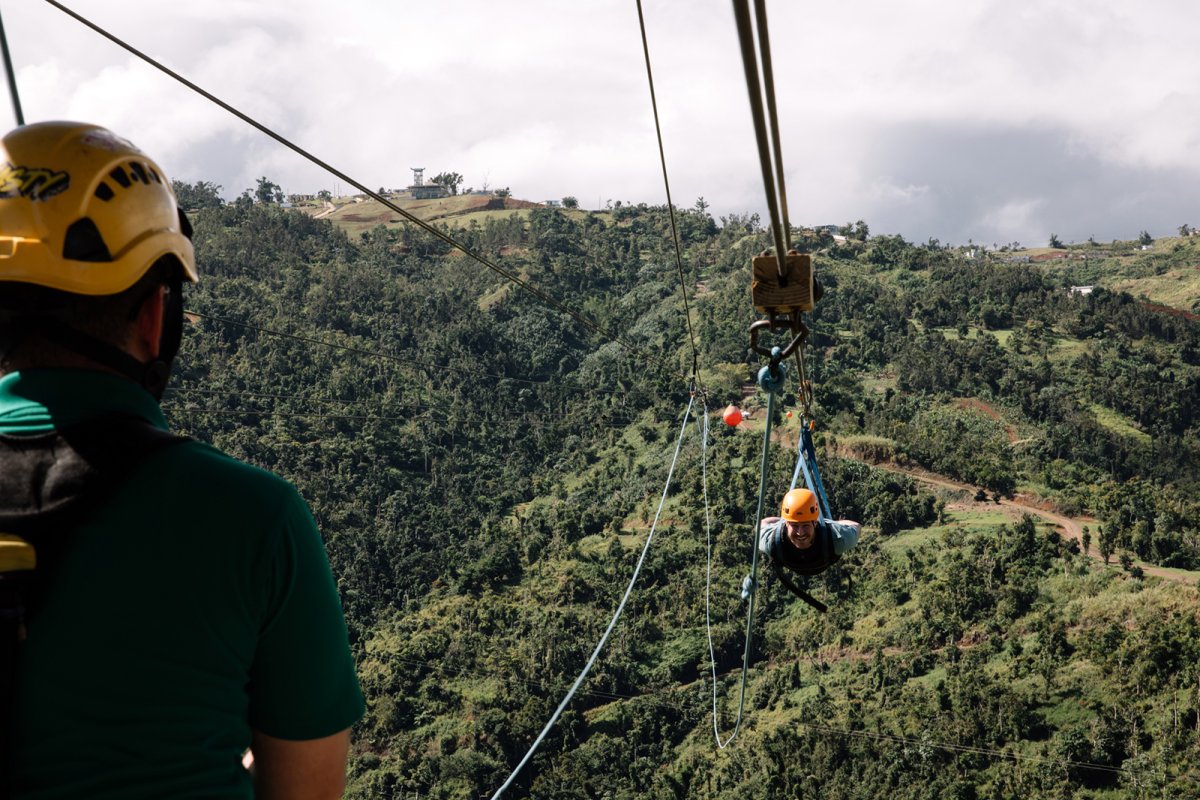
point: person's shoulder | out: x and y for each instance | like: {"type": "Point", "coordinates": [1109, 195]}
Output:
{"type": "Point", "coordinates": [213, 472]}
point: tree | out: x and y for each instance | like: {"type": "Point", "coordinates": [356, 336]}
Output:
{"type": "Point", "coordinates": [505, 192]}
{"type": "Point", "coordinates": [1144, 238]}
{"type": "Point", "coordinates": [1055, 242]}
{"type": "Point", "coordinates": [450, 180]}
{"type": "Point", "coordinates": [570, 202]}
{"type": "Point", "coordinates": [1086, 539]}
{"type": "Point", "coordinates": [701, 205]}
{"type": "Point", "coordinates": [194, 196]}
{"type": "Point", "coordinates": [1106, 545]}
{"type": "Point", "coordinates": [267, 191]}
{"type": "Point", "coordinates": [1185, 230]}
{"type": "Point", "coordinates": [324, 195]}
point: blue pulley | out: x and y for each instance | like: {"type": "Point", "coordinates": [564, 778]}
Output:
{"type": "Point", "coordinates": [770, 377]}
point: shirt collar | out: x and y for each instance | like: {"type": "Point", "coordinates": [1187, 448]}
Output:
{"type": "Point", "coordinates": [41, 400]}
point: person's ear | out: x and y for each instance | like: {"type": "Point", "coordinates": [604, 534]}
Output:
{"type": "Point", "coordinates": [148, 326]}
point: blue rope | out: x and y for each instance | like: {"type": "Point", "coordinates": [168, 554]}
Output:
{"type": "Point", "coordinates": [810, 455]}
{"type": "Point", "coordinates": [806, 462]}
{"type": "Point", "coordinates": [750, 585]}
{"type": "Point", "coordinates": [616, 616]}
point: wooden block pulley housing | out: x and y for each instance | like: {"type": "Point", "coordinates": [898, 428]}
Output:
{"type": "Point", "coordinates": [796, 294]}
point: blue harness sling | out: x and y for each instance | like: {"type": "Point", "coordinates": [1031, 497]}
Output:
{"type": "Point", "coordinates": [822, 555]}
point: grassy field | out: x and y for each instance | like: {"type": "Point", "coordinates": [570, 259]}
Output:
{"type": "Point", "coordinates": [1178, 288]}
{"type": "Point", "coordinates": [1168, 273]}
{"type": "Point", "coordinates": [1117, 422]}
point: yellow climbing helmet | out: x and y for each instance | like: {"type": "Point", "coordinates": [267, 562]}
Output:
{"type": "Point", "coordinates": [799, 505]}
{"type": "Point", "coordinates": [84, 211]}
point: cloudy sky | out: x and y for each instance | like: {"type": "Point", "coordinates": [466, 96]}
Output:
{"type": "Point", "coordinates": [991, 120]}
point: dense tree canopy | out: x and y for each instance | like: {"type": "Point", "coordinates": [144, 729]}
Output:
{"type": "Point", "coordinates": [484, 470]}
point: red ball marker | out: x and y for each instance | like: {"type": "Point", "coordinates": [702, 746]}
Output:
{"type": "Point", "coordinates": [732, 416]}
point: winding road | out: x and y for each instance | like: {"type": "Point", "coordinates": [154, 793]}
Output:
{"type": "Point", "coordinates": [1071, 528]}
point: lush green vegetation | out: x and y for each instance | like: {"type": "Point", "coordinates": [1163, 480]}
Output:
{"type": "Point", "coordinates": [485, 488]}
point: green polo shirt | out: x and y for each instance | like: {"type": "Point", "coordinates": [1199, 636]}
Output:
{"type": "Point", "coordinates": [196, 604]}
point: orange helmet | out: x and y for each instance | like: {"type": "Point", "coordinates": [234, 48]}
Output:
{"type": "Point", "coordinates": [799, 505]}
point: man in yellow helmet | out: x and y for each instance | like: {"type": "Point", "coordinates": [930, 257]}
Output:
{"type": "Point", "coordinates": [182, 608]}
{"type": "Point", "coordinates": [800, 540]}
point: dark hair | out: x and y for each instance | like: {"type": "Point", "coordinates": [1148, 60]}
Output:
{"type": "Point", "coordinates": [105, 317]}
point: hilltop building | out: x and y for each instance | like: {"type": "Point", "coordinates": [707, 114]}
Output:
{"type": "Point", "coordinates": [420, 190]}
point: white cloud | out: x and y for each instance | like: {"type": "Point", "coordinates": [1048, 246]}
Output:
{"type": "Point", "coordinates": [1015, 221]}
{"type": "Point", "coordinates": [925, 118]}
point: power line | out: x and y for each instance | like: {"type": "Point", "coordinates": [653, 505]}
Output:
{"type": "Point", "coordinates": [624, 418]}
{"type": "Point", "coordinates": [662, 154]}
{"type": "Point", "coordinates": [394, 358]}
{"type": "Point", "coordinates": [537, 418]}
{"type": "Point", "coordinates": [434, 231]}
{"type": "Point", "coordinates": [963, 748]}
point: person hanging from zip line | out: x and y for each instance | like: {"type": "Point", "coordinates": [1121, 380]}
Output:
{"type": "Point", "coordinates": [800, 541]}
{"type": "Point", "coordinates": [163, 606]}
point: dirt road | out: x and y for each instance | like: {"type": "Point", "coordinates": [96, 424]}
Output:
{"type": "Point", "coordinates": [1071, 528]}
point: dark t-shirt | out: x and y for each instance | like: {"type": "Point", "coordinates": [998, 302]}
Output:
{"type": "Point", "coordinates": [831, 540]}
{"type": "Point", "coordinates": [195, 604]}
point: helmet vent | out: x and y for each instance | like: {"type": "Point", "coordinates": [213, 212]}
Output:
{"type": "Point", "coordinates": [84, 242]}
{"type": "Point", "coordinates": [139, 172]}
{"type": "Point", "coordinates": [120, 176]}
{"type": "Point", "coordinates": [153, 174]}
{"type": "Point", "coordinates": [185, 225]}
{"type": "Point", "coordinates": [104, 192]}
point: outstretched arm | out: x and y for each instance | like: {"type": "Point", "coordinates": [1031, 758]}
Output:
{"type": "Point", "coordinates": [308, 769]}
{"type": "Point", "coordinates": [845, 534]}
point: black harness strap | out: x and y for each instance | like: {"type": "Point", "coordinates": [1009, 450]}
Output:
{"type": "Point", "coordinates": [49, 484]}
{"type": "Point", "coordinates": [794, 589]}
{"type": "Point", "coordinates": [826, 560]}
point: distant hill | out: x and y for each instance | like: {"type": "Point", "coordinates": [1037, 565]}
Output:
{"type": "Point", "coordinates": [1165, 272]}
{"type": "Point", "coordinates": [358, 214]}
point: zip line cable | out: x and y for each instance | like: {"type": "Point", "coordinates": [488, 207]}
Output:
{"type": "Point", "coordinates": [779, 223]}
{"type": "Point", "coordinates": [616, 616]}
{"type": "Point", "coordinates": [412, 218]}
{"type": "Point", "coordinates": [13, 94]}
{"type": "Point", "coordinates": [768, 75]}
{"type": "Point", "coordinates": [662, 154]}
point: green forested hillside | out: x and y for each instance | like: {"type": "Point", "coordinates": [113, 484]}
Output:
{"type": "Point", "coordinates": [485, 470]}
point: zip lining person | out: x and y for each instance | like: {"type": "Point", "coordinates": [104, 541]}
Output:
{"type": "Point", "coordinates": [163, 606]}
{"type": "Point", "coordinates": [800, 541]}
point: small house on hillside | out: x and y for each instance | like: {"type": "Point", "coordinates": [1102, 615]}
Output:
{"type": "Point", "coordinates": [429, 191]}
{"type": "Point", "coordinates": [420, 190]}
